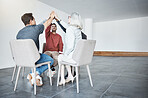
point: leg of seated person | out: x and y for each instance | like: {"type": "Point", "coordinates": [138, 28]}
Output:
{"type": "Point", "coordinates": [70, 76]}
{"type": "Point", "coordinates": [43, 58]}
{"type": "Point", "coordinates": [41, 69]}
{"type": "Point", "coordinates": [62, 81]}
{"type": "Point", "coordinates": [48, 53]}
{"type": "Point", "coordinates": [55, 55]}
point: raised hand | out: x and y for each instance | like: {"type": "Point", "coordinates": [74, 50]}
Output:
{"type": "Point", "coordinates": [52, 14]}
{"type": "Point", "coordinates": [56, 17]}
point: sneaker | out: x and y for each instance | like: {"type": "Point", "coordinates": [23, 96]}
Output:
{"type": "Point", "coordinates": [53, 70]}
{"type": "Point", "coordinates": [50, 75]}
{"type": "Point", "coordinates": [38, 79]}
{"type": "Point", "coordinates": [29, 77]}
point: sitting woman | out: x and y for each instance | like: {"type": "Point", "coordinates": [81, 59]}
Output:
{"type": "Point", "coordinates": [72, 36]}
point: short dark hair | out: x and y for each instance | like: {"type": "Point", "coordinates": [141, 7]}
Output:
{"type": "Point", "coordinates": [26, 18]}
{"type": "Point", "coordinates": [54, 24]}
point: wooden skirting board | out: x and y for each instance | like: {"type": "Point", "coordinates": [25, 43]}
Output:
{"type": "Point", "coordinates": [117, 53]}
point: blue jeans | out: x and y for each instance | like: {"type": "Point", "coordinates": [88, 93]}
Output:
{"type": "Point", "coordinates": [43, 58]}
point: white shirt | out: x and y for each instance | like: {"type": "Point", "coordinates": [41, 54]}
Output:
{"type": "Point", "coordinates": [72, 36]}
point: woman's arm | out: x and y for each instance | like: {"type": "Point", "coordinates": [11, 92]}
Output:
{"type": "Point", "coordinates": [64, 29]}
{"type": "Point", "coordinates": [61, 23]}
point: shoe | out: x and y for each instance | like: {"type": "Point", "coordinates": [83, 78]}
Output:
{"type": "Point", "coordinates": [54, 72]}
{"type": "Point", "coordinates": [53, 69]}
{"type": "Point", "coordinates": [62, 83]}
{"type": "Point", "coordinates": [74, 75]}
{"type": "Point", "coordinates": [66, 76]}
{"type": "Point", "coordinates": [69, 79]}
{"type": "Point", "coordinates": [29, 77]}
{"type": "Point", "coordinates": [50, 75]}
{"type": "Point", "coordinates": [38, 79]}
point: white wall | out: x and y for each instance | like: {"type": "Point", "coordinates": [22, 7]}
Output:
{"type": "Point", "coordinates": [122, 35]}
{"type": "Point", "coordinates": [10, 23]}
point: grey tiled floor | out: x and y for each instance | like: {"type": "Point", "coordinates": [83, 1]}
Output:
{"type": "Point", "coordinates": [113, 77]}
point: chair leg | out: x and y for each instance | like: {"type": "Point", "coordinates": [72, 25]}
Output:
{"type": "Point", "coordinates": [34, 80]}
{"type": "Point", "coordinates": [77, 79]}
{"type": "Point", "coordinates": [13, 72]}
{"type": "Point", "coordinates": [73, 69]}
{"type": "Point", "coordinates": [58, 74]}
{"type": "Point", "coordinates": [79, 70]}
{"type": "Point", "coordinates": [23, 72]}
{"type": "Point", "coordinates": [50, 73]}
{"type": "Point", "coordinates": [17, 78]}
{"type": "Point", "coordinates": [89, 75]}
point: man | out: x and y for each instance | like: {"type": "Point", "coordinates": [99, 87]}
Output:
{"type": "Point", "coordinates": [54, 44]}
{"type": "Point", "coordinates": [32, 31]}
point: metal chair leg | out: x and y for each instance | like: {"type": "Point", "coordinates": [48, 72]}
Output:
{"type": "Point", "coordinates": [77, 79]}
{"type": "Point", "coordinates": [89, 75]}
{"type": "Point", "coordinates": [34, 80]}
{"type": "Point", "coordinates": [17, 78]}
{"type": "Point", "coordinates": [49, 74]}
{"type": "Point", "coordinates": [58, 74]}
{"type": "Point", "coordinates": [23, 72]}
{"type": "Point", "coordinates": [13, 72]}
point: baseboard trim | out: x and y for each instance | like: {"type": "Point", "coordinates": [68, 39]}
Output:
{"type": "Point", "coordinates": [118, 53]}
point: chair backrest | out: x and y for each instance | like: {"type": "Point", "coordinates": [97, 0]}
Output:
{"type": "Point", "coordinates": [43, 50]}
{"type": "Point", "coordinates": [24, 52]}
{"type": "Point", "coordinates": [83, 52]}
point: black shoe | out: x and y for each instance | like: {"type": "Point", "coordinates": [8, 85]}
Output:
{"type": "Point", "coordinates": [74, 74]}
{"type": "Point", "coordinates": [67, 75]}
{"type": "Point", "coordinates": [53, 69]}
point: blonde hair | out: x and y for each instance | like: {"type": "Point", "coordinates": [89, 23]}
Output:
{"type": "Point", "coordinates": [76, 20]}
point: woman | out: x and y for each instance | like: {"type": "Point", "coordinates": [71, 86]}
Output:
{"type": "Point", "coordinates": [72, 36]}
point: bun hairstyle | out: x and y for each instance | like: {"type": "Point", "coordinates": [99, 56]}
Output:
{"type": "Point", "coordinates": [76, 20]}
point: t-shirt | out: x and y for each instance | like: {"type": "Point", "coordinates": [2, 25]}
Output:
{"type": "Point", "coordinates": [31, 32]}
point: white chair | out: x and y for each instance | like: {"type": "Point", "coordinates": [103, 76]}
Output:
{"type": "Point", "coordinates": [23, 67]}
{"type": "Point", "coordinates": [82, 55]}
{"type": "Point", "coordinates": [25, 54]}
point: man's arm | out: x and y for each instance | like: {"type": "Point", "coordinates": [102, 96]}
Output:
{"type": "Point", "coordinates": [47, 31]}
{"type": "Point", "coordinates": [49, 20]}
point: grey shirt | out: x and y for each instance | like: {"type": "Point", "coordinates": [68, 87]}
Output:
{"type": "Point", "coordinates": [31, 32]}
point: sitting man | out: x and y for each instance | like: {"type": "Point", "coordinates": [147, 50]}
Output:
{"type": "Point", "coordinates": [54, 44]}
{"type": "Point", "coordinates": [32, 31]}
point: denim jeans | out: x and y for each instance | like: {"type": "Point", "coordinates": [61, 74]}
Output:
{"type": "Point", "coordinates": [43, 58]}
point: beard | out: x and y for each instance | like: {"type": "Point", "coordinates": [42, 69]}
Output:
{"type": "Point", "coordinates": [53, 30]}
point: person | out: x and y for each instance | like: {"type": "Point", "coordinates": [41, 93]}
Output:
{"type": "Point", "coordinates": [63, 26]}
{"type": "Point", "coordinates": [54, 44]}
{"type": "Point", "coordinates": [32, 31]}
{"type": "Point", "coordinates": [72, 36]}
